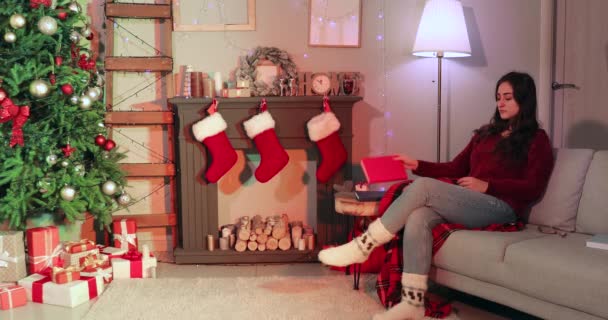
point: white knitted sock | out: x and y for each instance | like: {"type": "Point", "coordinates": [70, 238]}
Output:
{"type": "Point", "coordinates": [357, 250]}
{"type": "Point", "coordinates": [411, 307]}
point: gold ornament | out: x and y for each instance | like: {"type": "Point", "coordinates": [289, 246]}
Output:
{"type": "Point", "coordinates": [10, 37]}
{"type": "Point", "coordinates": [74, 7]}
{"type": "Point", "coordinates": [85, 102]}
{"type": "Point", "coordinates": [68, 193]}
{"type": "Point", "coordinates": [17, 21]}
{"type": "Point", "coordinates": [74, 36]}
{"type": "Point", "coordinates": [47, 25]}
{"type": "Point", "coordinates": [65, 163]}
{"type": "Point", "coordinates": [94, 93]}
{"type": "Point", "coordinates": [39, 88]}
{"type": "Point", "coordinates": [109, 187]}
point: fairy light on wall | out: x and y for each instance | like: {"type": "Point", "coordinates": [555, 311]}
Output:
{"type": "Point", "coordinates": [380, 37]}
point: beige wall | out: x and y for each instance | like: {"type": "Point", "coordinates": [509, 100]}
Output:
{"type": "Point", "coordinates": [505, 36]}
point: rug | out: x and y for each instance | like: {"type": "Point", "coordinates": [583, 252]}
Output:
{"type": "Point", "coordinates": [277, 297]}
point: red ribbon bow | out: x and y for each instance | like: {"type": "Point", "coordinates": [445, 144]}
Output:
{"type": "Point", "coordinates": [213, 108]}
{"type": "Point", "coordinates": [263, 105]}
{"type": "Point", "coordinates": [326, 107]}
{"type": "Point", "coordinates": [19, 115]}
{"type": "Point", "coordinates": [132, 255]}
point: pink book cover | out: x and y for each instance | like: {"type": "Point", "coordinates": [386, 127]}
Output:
{"type": "Point", "coordinates": [383, 169]}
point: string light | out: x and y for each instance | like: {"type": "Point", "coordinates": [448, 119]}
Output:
{"type": "Point", "coordinates": [382, 93]}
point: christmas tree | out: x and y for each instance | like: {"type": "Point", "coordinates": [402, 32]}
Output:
{"type": "Point", "coordinates": [54, 154]}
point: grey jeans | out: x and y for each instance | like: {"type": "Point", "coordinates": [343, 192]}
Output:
{"type": "Point", "coordinates": [428, 202]}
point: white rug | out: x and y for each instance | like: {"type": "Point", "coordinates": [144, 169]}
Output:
{"type": "Point", "coordinates": [281, 298]}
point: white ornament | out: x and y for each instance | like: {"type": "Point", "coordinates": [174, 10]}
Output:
{"type": "Point", "coordinates": [109, 187]}
{"type": "Point", "coordinates": [10, 37]}
{"type": "Point", "coordinates": [85, 102]}
{"type": "Point", "coordinates": [86, 32]}
{"type": "Point", "coordinates": [94, 93]}
{"type": "Point", "coordinates": [47, 25]}
{"type": "Point", "coordinates": [124, 199]}
{"type": "Point", "coordinates": [74, 100]}
{"type": "Point", "coordinates": [51, 159]}
{"type": "Point", "coordinates": [65, 163]}
{"type": "Point", "coordinates": [17, 21]}
{"type": "Point", "coordinates": [39, 88]}
{"type": "Point", "coordinates": [74, 7]}
{"type": "Point", "coordinates": [74, 36]}
{"type": "Point", "coordinates": [68, 193]}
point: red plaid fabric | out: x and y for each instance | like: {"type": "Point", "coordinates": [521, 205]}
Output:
{"type": "Point", "coordinates": [388, 282]}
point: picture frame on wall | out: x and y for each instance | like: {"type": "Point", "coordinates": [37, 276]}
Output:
{"type": "Point", "coordinates": [234, 15]}
{"type": "Point", "coordinates": [334, 23]}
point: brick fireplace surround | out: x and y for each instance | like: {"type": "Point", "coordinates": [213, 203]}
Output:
{"type": "Point", "coordinates": [197, 200]}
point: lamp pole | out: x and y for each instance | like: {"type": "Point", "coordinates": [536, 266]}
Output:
{"type": "Point", "coordinates": [439, 57]}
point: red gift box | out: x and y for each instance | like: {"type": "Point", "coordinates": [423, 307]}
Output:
{"type": "Point", "coordinates": [12, 296]}
{"type": "Point", "coordinates": [43, 248]}
{"type": "Point", "coordinates": [125, 234]}
{"type": "Point", "coordinates": [103, 270]}
{"type": "Point", "coordinates": [61, 275]}
{"type": "Point", "coordinates": [80, 246]}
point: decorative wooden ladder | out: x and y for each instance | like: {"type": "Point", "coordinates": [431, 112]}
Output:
{"type": "Point", "coordinates": [163, 65]}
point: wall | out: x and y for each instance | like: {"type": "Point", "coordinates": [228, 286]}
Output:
{"type": "Point", "coordinates": [504, 35]}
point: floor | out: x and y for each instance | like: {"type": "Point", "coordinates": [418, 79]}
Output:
{"type": "Point", "coordinates": [467, 307]}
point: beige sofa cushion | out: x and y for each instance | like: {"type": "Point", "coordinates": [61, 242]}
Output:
{"type": "Point", "coordinates": [593, 209]}
{"type": "Point", "coordinates": [480, 254]}
{"type": "Point", "coordinates": [559, 204]}
{"type": "Point", "coordinates": [560, 270]}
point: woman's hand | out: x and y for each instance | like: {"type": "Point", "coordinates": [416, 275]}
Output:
{"type": "Point", "coordinates": [408, 162]}
{"type": "Point", "coordinates": [473, 184]}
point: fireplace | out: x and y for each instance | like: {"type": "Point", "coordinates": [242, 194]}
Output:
{"type": "Point", "coordinates": [197, 201]}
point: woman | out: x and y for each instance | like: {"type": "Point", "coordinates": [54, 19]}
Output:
{"type": "Point", "coordinates": [504, 168]}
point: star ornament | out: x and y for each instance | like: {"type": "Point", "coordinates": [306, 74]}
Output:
{"type": "Point", "coordinates": [68, 150]}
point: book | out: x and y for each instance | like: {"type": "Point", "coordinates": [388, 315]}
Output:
{"type": "Point", "coordinates": [598, 241]}
{"type": "Point", "coordinates": [369, 195]}
{"type": "Point", "coordinates": [383, 169]}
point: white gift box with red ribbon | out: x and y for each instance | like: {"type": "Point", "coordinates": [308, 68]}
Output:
{"type": "Point", "coordinates": [134, 264]}
{"type": "Point", "coordinates": [41, 289]}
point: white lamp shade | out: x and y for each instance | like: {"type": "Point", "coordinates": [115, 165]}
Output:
{"type": "Point", "coordinates": [442, 30]}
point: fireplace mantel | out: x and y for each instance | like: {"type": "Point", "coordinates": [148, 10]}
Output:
{"type": "Point", "coordinates": [197, 200]}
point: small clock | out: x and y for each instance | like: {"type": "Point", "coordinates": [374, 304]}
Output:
{"type": "Point", "coordinates": [320, 83]}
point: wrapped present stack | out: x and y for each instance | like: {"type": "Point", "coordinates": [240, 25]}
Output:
{"type": "Point", "coordinates": [12, 256]}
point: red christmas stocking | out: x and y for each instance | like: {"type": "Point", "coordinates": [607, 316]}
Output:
{"type": "Point", "coordinates": [211, 131]}
{"type": "Point", "coordinates": [323, 130]}
{"type": "Point", "coordinates": [260, 128]}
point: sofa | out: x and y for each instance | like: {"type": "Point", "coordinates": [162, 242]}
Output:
{"type": "Point", "coordinates": [545, 270]}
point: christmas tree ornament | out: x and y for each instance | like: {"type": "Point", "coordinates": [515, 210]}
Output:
{"type": "Point", "coordinates": [74, 7]}
{"type": "Point", "coordinates": [67, 193]}
{"type": "Point", "coordinates": [109, 145]}
{"type": "Point", "coordinates": [124, 199]}
{"type": "Point", "coordinates": [65, 163]}
{"type": "Point", "coordinates": [274, 158]}
{"type": "Point", "coordinates": [86, 32]}
{"type": "Point", "coordinates": [39, 88]}
{"type": "Point", "coordinates": [323, 131]}
{"type": "Point", "coordinates": [99, 79]}
{"type": "Point", "coordinates": [47, 25]}
{"type": "Point", "coordinates": [52, 79]}
{"type": "Point", "coordinates": [105, 155]}
{"type": "Point", "coordinates": [211, 131]}
{"type": "Point", "coordinates": [17, 21]}
{"type": "Point", "coordinates": [10, 37]}
{"type": "Point", "coordinates": [75, 36]}
{"type": "Point", "coordinates": [3, 94]}
{"type": "Point", "coordinates": [68, 150]}
{"type": "Point", "coordinates": [109, 187]}
{"type": "Point", "coordinates": [58, 60]}
{"type": "Point", "coordinates": [79, 169]}
{"type": "Point", "coordinates": [67, 89]}
{"type": "Point", "coordinates": [51, 159]}
{"type": "Point", "coordinates": [85, 102]}
{"type": "Point", "coordinates": [74, 100]}
{"type": "Point", "coordinates": [62, 15]}
{"type": "Point", "coordinates": [37, 3]}
{"type": "Point", "coordinates": [100, 140]}
{"type": "Point", "coordinates": [94, 93]}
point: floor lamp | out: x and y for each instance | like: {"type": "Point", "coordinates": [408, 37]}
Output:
{"type": "Point", "coordinates": [442, 33]}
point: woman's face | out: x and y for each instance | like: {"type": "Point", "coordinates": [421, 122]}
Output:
{"type": "Point", "coordinates": [507, 107]}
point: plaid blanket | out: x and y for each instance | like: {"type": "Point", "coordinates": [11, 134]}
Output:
{"type": "Point", "coordinates": [388, 282]}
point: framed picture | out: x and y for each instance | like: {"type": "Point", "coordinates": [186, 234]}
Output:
{"type": "Point", "coordinates": [334, 23]}
{"type": "Point", "coordinates": [213, 15]}
{"type": "Point", "coordinates": [267, 72]}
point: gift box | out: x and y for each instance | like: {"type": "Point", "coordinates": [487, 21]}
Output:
{"type": "Point", "coordinates": [125, 234]}
{"type": "Point", "coordinates": [61, 275]}
{"type": "Point", "coordinates": [79, 246]}
{"type": "Point", "coordinates": [111, 252]}
{"type": "Point", "coordinates": [43, 248]}
{"type": "Point", "coordinates": [41, 289]}
{"type": "Point", "coordinates": [75, 259]}
{"type": "Point", "coordinates": [134, 264]}
{"type": "Point", "coordinates": [12, 256]}
{"type": "Point", "coordinates": [103, 270]}
{"type": "Point", "coordinates": [12, 296]}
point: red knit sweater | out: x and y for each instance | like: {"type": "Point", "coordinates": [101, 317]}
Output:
{"type": "Point", "coordinates": [519, 186]}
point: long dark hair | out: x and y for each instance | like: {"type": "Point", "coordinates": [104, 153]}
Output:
{"type": "Point", "coordinates": [523, 126]}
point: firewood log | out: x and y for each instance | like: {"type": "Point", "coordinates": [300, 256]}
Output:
{"type": "Point", "coordinates": [285, 243]}
{"type": "Point", "coordinates": [257, 224]}
{"type": "Point", "coordinates": [261, 247]}
{"type": "Point", "coordinates": [240, 246]}
{"type": "Point", "coordinates": [252, 245]}
{"type": "Point", "coordinates": [272, 243]}
{"type": "Point", "coordinates": [262, 238]}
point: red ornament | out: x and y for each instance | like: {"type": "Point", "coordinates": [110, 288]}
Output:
{"type": "Point", "coordinates": [2, 94]}
{"type": "Point", "coordinates": [37, 3]}
{"type": "Point", "coordinates": [68, 150]}
{"type": "Point", "coordinates": [67, 89]}
{"type": "Point", "coordinates": [52, 78]}
{"type": "Point", "coordinates": [91, 36]}
{"type": "Point", "coordinates": [100, 140]}
{"type": "Point", "coordinates": [58, 60]}
{"type": "Point", "coordinates": [62, 15]}
{"type": "Point", "coordinates": [109, 145]}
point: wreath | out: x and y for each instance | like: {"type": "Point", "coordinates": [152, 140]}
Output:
{"type": "Point", "coordinates": [247, 69]}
